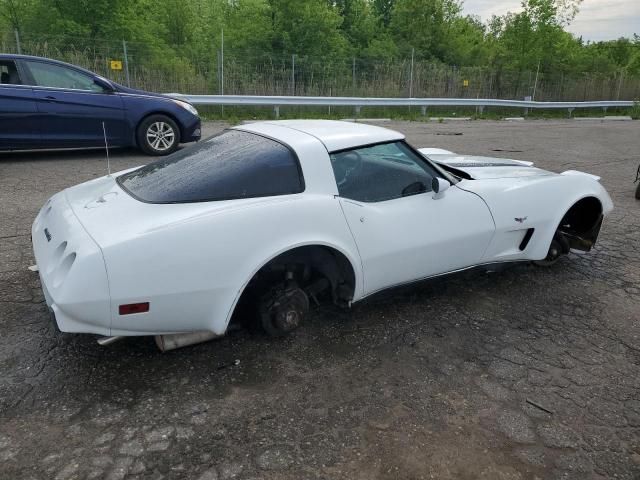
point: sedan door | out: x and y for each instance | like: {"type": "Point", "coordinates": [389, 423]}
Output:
{"type": "Point", "coordinates": [403, 231]}
{"type": "Point", "coordinates": [18, 113]}
{"type": "Point", "coordinates": [72, 107]}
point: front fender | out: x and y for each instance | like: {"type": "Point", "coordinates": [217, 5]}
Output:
{"type": "Point", "coordinates": [538, 202]}
{"type": "Point", "coordinates": [591, 188]}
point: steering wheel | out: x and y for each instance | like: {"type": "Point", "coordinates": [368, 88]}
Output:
{"type": "Point", "coordinates": [345, 165]}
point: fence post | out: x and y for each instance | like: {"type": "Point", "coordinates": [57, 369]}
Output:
{"type": "Point", "coordinates": [293, 74]}
{"type": "Point", "coordinates": [526, 110]}
{"type": "Point", "coordinates": [411, 75]}
{"type": "Point", "coordinates": [276, 111]}
{"type": "Point", "coordinates": [535, 85]}
{"type": "Point", "coordinates": [15, 30]}
{"type": "Point", "coordinates": [620, 84]}
{"type": "Point", "coordinates": [222, 62]}
{"type": "Point", "coordinates": [353, 76]}
{"type": "Point", "coordinates": [423, 110]}
{"type": "Point", "coordinates": [219, 72]}
{"type": "Point", "coordinates": [222, 68]}
{"type": "Point", "coordinates": [126, 63]}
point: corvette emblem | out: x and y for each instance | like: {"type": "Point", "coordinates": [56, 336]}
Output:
{"type": "Point", "coordinates": [520, 219]}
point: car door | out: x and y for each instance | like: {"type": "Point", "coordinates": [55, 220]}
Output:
{"type": "Point", "coordinates": [18, 112]}
{"type": "Point", "coordinates": [72, 107]}
{"type": "Point", "coordinates": [402, 230]}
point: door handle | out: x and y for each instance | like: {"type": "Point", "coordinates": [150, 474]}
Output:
{"type": "Point", "coordinates": [49, 97]}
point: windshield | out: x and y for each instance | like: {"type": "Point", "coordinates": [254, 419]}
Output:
{"type": "Point", "coordinates": [232, 165]}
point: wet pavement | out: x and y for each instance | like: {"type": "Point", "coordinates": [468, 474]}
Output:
{"type": "Point", "coordinates": [519, 374]}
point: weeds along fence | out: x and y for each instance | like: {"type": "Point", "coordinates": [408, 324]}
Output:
{"type": "Point", "coordinates": [253, 73]}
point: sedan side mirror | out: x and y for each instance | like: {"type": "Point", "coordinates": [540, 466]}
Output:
{"type": "Point", "coordinates": [439, 186]}
{"type": "Point", "coordinates": [104, 84]}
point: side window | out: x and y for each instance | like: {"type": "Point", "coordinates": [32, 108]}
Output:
{"type": "Point", "coordinates": [9, 73]}
{"type": "Point", "coordinates": [232, 165]}
{"type": "Point", "coordinates": [49, 75]}
{"type": "Point", "coordinates": [381, 172]}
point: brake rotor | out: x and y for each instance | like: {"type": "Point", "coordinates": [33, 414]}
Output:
{"type": "Point", "coordinates": [283, 310]}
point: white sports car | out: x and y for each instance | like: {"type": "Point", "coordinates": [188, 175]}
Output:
{"type": "Point", "coordinates": [263, 217]}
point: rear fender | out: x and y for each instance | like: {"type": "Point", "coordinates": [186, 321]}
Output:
{"type": "Point", "coordinates": [350, 256]}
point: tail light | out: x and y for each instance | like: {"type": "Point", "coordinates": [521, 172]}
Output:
{"type": "Point", "coordinates": [130, 308]}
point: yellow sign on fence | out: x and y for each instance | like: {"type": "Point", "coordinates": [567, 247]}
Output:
{"type": "Point", "coordinates": [116, 64]}
{"type": "Point", "coordinates": [465, 83]}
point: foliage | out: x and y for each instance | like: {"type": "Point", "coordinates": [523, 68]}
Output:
{"type": "Point", "coordinates": [187, 35]}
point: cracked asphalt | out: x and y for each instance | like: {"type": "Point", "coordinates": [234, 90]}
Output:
{"type": "Point", "coordinates": [524, 373]}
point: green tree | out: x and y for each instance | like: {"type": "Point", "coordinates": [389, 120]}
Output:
{"type": "Point", "coordinates": [425, 25]}
{"type": "Point", "coordinates": [535, 36]}
{"type": "Point", "coordinates": [467, 42]}
{"type": "Point", "coordinates": [383, 10]}
{"type": "Point", "coordinates": [369, 39]}
{"type": "Point", "coordinates": [248, 27]}
{"type": "Point", "coordinates": [183, 37]}
{"type": "Point", "coordinates": [307, 28]}
{"type": "Point", "coordinates": [13, 13]}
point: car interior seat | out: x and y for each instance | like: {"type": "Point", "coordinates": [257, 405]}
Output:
{"type": "Point", "coordinates": [4, 77]}
{"type": "Point", "coordinates": [14, 78]}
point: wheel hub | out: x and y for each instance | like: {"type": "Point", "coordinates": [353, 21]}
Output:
{"type": "Point", "coordinates": [288, 321]}
{"type": "Point", "coordinates": [160, 136]}
{"type": "Point", "coordinates": [284, 310]}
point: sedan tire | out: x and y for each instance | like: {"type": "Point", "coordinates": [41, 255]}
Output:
{"type": "Point", "coordinates": [158, 135]}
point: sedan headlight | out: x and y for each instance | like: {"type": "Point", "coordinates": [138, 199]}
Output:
{"type": "Point", "coordinates": [187, 106]}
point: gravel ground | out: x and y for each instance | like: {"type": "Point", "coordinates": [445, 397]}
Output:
{"type": "Point", "coordinates": [437, 380]}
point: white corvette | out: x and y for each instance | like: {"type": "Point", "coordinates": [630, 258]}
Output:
{"type": "Point", "coordinates": [263, 217]}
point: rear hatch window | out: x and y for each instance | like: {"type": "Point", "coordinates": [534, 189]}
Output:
{"type": "Point", "coordinates": [232, 165]}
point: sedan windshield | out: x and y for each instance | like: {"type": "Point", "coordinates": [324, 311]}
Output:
{"type": "Point", "coordinates": [232, 165]}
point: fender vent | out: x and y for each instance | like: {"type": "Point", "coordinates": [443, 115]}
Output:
{"type": "Point", "coordinates": [525, 239]}
{"type": "Point", "coordinates": [61, 272]}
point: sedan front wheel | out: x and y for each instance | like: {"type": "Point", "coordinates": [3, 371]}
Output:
{"type": "Point", "coordinates": [158, 135]}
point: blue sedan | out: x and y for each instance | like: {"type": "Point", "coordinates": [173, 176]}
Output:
{"type": "Point", "coordinates": [47, 104]}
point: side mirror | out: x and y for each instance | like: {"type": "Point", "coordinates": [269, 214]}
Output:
{"type": "Point", "coordinates": [439, 186]}
{"type": "Point", "coordinates": [104, 84]}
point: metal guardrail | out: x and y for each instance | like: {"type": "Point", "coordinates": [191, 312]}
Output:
{"type": "Point", "coordinates": [358, 102]}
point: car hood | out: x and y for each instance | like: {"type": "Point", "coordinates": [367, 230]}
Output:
{"type": "Point", "coordinates": [110, 215]}
{"type": "Point", "coordinates": [477, 168]}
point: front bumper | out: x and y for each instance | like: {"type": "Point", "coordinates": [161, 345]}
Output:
{"type": "Point", "coordinates": [192, 132]}
{"type": "Point", "coordinates": [71, 268]}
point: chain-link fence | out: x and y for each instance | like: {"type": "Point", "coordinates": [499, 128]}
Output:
{"type": "Point", "coordinates": [256, 73]}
